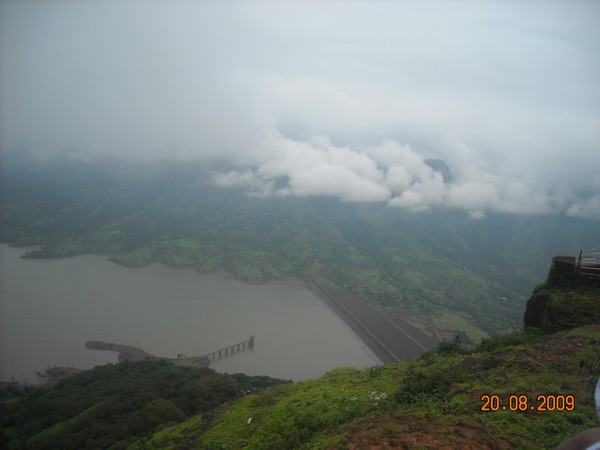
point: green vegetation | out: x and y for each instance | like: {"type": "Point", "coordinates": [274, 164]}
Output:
{"type": "Point", "coordinates": [563, 302]}
{"type": "Point", "coordinates": [432, 262]}
{"type": "Point", "coordinates": [451, 320]}
{"type": "Point", "coordinates": [557, 307]}
{"type": "Point", "coordinates": [396, 401]}
{"type": "Point", "coordinates": [112, 406]}
{"type": "Point", "coordinates": [153, 405]}
{"type": "Point", "coordinates": [541, 381]}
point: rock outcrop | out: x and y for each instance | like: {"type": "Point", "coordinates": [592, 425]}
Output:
{"type": "Point", "coordinates": [570, 297]}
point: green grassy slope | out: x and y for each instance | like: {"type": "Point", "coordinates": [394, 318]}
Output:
{"type": "Point", "coordinates": [530, 390]}
{"type": "Point", "coordinates": [112, 406]}
{"type": "Point", "coordinates": [563, 301]}
{"type": "Point", "coordinates": [434, 401]}
{"type": "Point", "coordinates": [392, 404]}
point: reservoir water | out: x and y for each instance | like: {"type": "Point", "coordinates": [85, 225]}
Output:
{"type": "Point", "coordinates": [50, 308]}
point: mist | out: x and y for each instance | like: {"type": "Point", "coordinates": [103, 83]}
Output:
{"type": "Point", "coordinates": [343, 100]}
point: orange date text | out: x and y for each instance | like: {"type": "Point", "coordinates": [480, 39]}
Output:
{"type": "Point", "coordinates": [521, 402]}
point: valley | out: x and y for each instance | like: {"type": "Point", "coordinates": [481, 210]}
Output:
{"type": "Point", "coordinates": [456, 273]}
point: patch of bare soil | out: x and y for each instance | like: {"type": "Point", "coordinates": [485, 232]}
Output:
{"type": "Point", "coordinates": [560, 351]}
{"type": "Point", "coordinates": [407, 432]}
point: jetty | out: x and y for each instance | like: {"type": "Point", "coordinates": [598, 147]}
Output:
{"type": "Point", "coordinates": [126, 352]}
{"type": "Point", "coordinates": [135, 354]}
{"type": "Point", "coordinates": [229, 350]}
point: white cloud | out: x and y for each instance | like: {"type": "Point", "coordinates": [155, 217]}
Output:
{"type": "Point", "coordinates": [398, 178]}
{"type": "Point", "coordinates": [336, 181]}
{"type": "Point", "coordinates": [338, 99]}
{"type": "Point", "coordinates": [477, 214]}
{"type": "Point", "coordinates": [311, 169]}
{"type": "Point", "coordinates": [585, 208]}
{"type": "Point", "coordinates": [394, 174]}
{"type": "Point", "coordinates": [234, 179]}
{"type": "Point", "coordinates": [473, 195]}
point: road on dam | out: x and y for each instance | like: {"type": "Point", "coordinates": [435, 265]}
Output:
{"type": "Point", "coordinates": [390, 339]}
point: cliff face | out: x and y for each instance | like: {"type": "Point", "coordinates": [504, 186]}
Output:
{"type": "Point", "coordinates": [570, 297]}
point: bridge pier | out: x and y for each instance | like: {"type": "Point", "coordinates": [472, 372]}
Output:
{"type": "Point", "coordinates": [235, 348]}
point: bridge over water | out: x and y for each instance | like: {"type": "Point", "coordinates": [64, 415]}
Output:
{"type": "Point", "coordinates": [228, 351]}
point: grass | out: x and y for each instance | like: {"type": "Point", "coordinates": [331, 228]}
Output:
{"type": "Point", "coordinates": [231, 433]}
{"type": "Point", "coordinates": [324, 413]}
{"type": "Point", "coordinates": [444, 386]}
{"type": "Point", "coordinates": [163, 438]}
{"type": "Point", "coordinates": [297, 415]}
{"type": "Point", "coordinates": [446, 319]}
{"type": "Point", "coordinates": [46, 435]}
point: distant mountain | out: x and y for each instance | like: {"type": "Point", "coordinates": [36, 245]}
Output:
{"type": "Point", "coordinates": [440, 166]}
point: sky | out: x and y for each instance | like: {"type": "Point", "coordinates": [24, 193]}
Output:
{"type": "Point", "coordinates": [340, 99]}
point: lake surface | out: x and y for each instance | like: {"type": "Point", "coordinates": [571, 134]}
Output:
{"type": "Point", "coordinates": [50, 308]}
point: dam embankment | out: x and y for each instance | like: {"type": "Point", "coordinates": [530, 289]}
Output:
{"type": "Point", "coordinates": [390, 339]}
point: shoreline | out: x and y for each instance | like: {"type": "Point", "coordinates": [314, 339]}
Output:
{"type": "Point", "coordinates": [381, 335]}
{"type": "Point", "coordinates": [129, 353]}
{"type": "Point", "coordinates": [125, 352]}
{"type": "Point", "coordinates": [112, 257]}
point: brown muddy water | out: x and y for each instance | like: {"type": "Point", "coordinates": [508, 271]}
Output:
{"type": "Point", "coordinates": [50, 308]}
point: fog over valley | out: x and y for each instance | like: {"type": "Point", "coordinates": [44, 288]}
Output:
{"type": "Point", "coordinates": [345, 100]}
{"type": "Point", "coordinates": [300, 224]}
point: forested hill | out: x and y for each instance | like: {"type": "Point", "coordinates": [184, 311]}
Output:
{"type": "Point", "coordinates": [426, 262]}
{"type": "Point", "coordinates": [526, 390]}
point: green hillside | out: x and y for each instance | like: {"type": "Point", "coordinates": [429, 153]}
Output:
{"type": "Point", "coordinates": [529, 390]}
{"type": "Point", "coordinates": [434, 401]}
{"type": "Point", "coordinates": [568, 298]}
{"type": "Point", "coordinates": [436, 263]}
{"type": "Point", "coordinates": [112, 406]}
